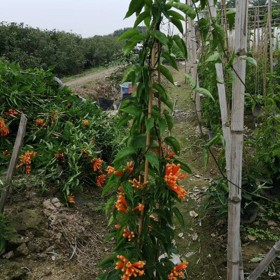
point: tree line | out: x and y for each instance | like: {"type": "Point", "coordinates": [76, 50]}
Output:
{"type": "Point", "coordinates": [65, 53]}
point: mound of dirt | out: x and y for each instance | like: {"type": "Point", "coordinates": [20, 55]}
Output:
{"type": "Point", "coordinates": [53, 241]}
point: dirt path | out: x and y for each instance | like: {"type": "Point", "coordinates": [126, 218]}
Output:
{"type": "Point", "coordinates": [90, 77]}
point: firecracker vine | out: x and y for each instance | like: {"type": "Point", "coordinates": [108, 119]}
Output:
{"type": "Point", "coordinates": [144, 181]}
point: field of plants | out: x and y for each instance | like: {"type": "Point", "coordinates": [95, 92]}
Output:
{"type": "Point", "coordinates": [181, 182]}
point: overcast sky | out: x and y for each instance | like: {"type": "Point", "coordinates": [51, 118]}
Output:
{"type": "Point", "coordinates": [84, 17]}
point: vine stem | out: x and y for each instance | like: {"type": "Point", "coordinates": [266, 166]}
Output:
{"type": "Point", "coordinates": [148, 137]}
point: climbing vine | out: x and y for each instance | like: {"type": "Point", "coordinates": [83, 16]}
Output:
{"type": "Point", "coordinates": [144, 182]}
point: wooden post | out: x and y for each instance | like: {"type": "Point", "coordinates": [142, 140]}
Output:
{"type": "Point", "coordinates": [13, 161]}
{"type": "Point", "coordinates": [237, 127]}
{"type": "Point", "coordinates": [271, 255]}
{"type": "Point", "coordinates": [270, 36]}
{"type": "Point", "coordinates": [192, 46]}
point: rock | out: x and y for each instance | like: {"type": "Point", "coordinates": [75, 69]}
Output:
{"type": "Point", "coordinates": [27, 219]}
{"type": "Point", "coordinates": [33, 247]}
{"type": "Point", "coordinates": [17, 240]}
{"type": "Point", "coordinates": [56, 202]}
{"type": "Point", "coordinates": [48, 205]}
{"type": "Point", "coordinates": [22, 250]}
{"type": "Point", "coordinates": [9, 255]}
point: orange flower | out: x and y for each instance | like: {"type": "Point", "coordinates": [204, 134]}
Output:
{"type": "Point", "coordinates": [100, 180]}
{"type": "Point", "coordinates": [172, 175]}
{"type": "Point", "coordinates": [118, 173]}
{"type": "Point", "coordinates": [97, 163]}
{"type": "Point", "coordinates": [137, 184]}
{"type": "Point", "coordinates": [110, 169]}
{"type": "Point", "coordinates": [140, 207]}
{"type": "Point", "coordinates": [4, 129]}
{"type": "Point", "coordinates": [117, 226]}
{"type": "Point", "coordinates": [85, 122]}
{"type": "Point", "coordinates": [129, 269]}
{"type": "Point", "coordinates": [40, 122]}
{"type": "Point", "coordinates": [128, 234]}
{"type": "Point", "coordinates": [71, 199]}
{"type": "Point", "coordinates": [177, 271]}
{"type": "Point", "coordinates": [26, 161]}
{"type": "Point", "coordinates": [121, 203]}
{"type": "Point", "coordinates": [6, 153]}
{"type": "Point", "coordinates": [129, 166]}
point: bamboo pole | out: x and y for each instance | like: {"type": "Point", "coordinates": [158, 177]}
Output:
{"type": "Point", "coordinates": [13, 161]}
{"type": "Point", "coordinates": [271, 255]}
{"type": "Point", "coordinates": [270, 36]}
{"type": "Point", "coordinates": [192, 46]}
{"type": "Point", "coordinates": [237, 127]}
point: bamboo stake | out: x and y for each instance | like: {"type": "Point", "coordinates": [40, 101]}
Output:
{"type": "Point", "coordinates": [270, 36]}
{"type": "Point", "coordinates": [237, 127]}
{"type": "Point", "coordinates": [148, 137]}
{"type": "Point", "coordinates": [13, 161]}
{"type": "Point", "coordinates": [191, 44]}
{"type": "Point", "coordinates": [271, 255]}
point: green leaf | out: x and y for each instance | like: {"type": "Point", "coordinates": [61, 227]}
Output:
{"type": "Point", "coordinates": [163, 95]}
{"type": "Point", "coordinates": [169, 119]}
{"type": "Point", "coordinates": [123, 154]}
{"type": "Point", "coordinates": [204, 91]}
{"type": "Point", "coordinates": [190, 81]}
{"type": "Point", "coordinates": [138, 141]}
{"type": "Point", "coordinates": [161, 37]}
{"type": "Point", "coordinates": [183, 165]}
{"type": "Point", "coordinates": [214, 58]}
{"type": "Point", "coordinates": [189, 11]}
{"type": "Point", "coordinates": [231, 18]}
{"type": "Point", "coordinates": [203, 4]}
{"type": "Point", "coordinates": [181, 45]}
{"type": "Point", "coordinates": [162, 126]}
{"type": "Point", "coordinates": [170, 59]}
{"type": "Point", "coordinates": [132, 110]}
{"type": "Point", "coordinates": [149, 124]}
{"type": "Point", "coordinates": [135, 6]}
{"type": "Point", "coordinates": [128, 34]}
{"type": "Point", "coordinates": [141, 17]}
{"type": "Point", "coordinates": [109, 204]}
{"type": "Point", "coordinates": [153, 160]}
{"type": "Point", "coordinates": [173, 142]}
{"type": "Point", "coordinates": [249, 59]}
{"type": "Point", "coordinates": [177, 23]}
{"type": "Point", "coordinates": [176, 15]}
{"type": "Point", "coordinates": [166, 73]}
{"type": "Point", "coordinates": [204, 27]}
{"type": "Point", "coordinates": [179, 216]}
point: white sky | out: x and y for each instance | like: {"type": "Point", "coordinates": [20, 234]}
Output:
{"type": "Point", "coordinates": [84, 17]}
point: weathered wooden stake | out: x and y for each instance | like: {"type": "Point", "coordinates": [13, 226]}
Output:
{"type": "Point", "coordinates": [237, 127]}
{"type": "Point", "coordinates": [13, 161]}
{"type": "Point", "coordinates": [271, 255]}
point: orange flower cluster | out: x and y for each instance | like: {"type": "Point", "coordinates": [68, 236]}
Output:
{"type": "Point", "coordinates": [177, 271]}
{"type": "Point", "coordinates": [139, 208]}
{"type": "Point", "coordinates": [59, 157]}
{"type": "Point", "coordinates": [6, 153]}
{"type": "Point", "coordinates": [25, 160]}
{"type": "Point", "coordinates": [4, 129]}
{"type": "Point", "coordinates": [128, 234]}
{"type": "Point", "coordinates": [40, 122]}
{"type": "Point", "coordinates": [129, 269]}
{"type": "Point", "coordinates": [172, 175]}
{"type": "Point", "coordinates": [121, 204]}
{"type": "Point", "coordinates": [11, 112]}
{"type": "Point", "coordinates": [100, 180]}
{"type": "Point", "coordinates": [137, 184]}
{"type": "Point", "coordinates": [71, 199]}
{"type": "Point", "coordinates": [167, 151]}
{"type": "Point", "coordinates": [85, 122]}
{"type": "Point", "coordinates": [129, 167]}
{"type": "Point", "coordinates": [97, 164]}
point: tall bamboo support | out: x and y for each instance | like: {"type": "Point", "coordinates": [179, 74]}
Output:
{"type": "Point", "coordinates": [192, 47]}
{"type": "Point", "coordinates": [270, 35]}
{"type": "Point", "coordinates": [237, 127]}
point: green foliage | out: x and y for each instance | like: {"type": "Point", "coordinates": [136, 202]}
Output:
{"type": "Point", "coordinates": [65, 132]}
{"type": "Point", "coordinates": [6, 233]}
{"type": "Point", "coordinates": [64, 52]}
